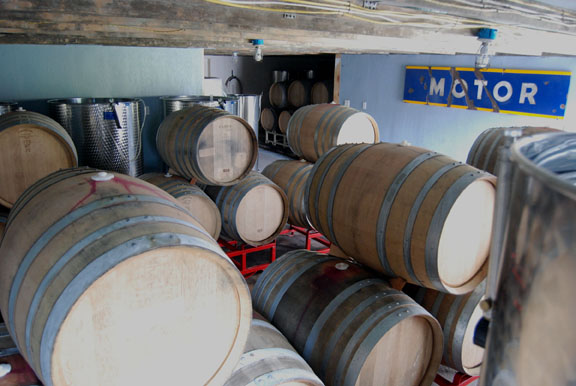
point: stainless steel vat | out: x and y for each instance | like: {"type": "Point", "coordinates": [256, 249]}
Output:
{"type": "Point", "coordinates": [175, 103]}
{"type": "Point", "coordinates": [531, 340]}
{"type": "Point", "coordinates": [249, 109]}
{"type": "Point", "coordinates": [6, 107]}
{"type": "Point", "coordinates": [106, 132]}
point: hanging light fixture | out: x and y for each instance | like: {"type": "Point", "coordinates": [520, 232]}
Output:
{"type": "Point", "coordinates": [258, 43]}
{"type": "Point", "coordinates": [486, 36]}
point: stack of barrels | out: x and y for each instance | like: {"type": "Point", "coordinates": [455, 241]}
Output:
{"type": "Point", "coordinates": [218, 151]}
{"type": "Point", "coordinates": [111, 269]}
{"type": "Point", "coordinates": [391, 211]}
{"type": "Point", "coordinates": [313, 131]}
{"type": "Point", "coordinates": [285, 97]}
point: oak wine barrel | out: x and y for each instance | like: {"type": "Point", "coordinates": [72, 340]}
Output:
{"type": "Point", "coordinates": [291, 176]}
{"type": "Point", "coordinates": [283, 120]}
{"type": "Point", "coordinates": [278, 94]}
{"type": "Point", "coordinates": [405, 211]}
{"type": "Point", "coordinates": [191, 198]}
{"type": "Point", "coordinates": [319, 93]}
{"type": "Point", "coordinates": [458, 315]}
{"type": "Point", "coordinates": [208, 144]}
{"type": "Point", "coordinates": [270, 359]}
{"type": "Point", "coordinates": [114, 271]}
{"type": "Point", "coordinates": [268, 119]}
{"type": "Point", "coordinates": [484, 152]}
{"type": "Point", "coordinates": [253, 211]}
{"type": "Point", "coordinates": [299, 93]}
{"type": "Point", "coordinates": [315, 129]}
{"type": "Point", "coordinates": [32, 146]}
{"type": "Point", "coordinates": [352, 328]}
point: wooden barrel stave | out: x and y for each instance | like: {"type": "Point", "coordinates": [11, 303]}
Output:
{"type": "Point", "coordinates": [253, 211]}
{"type": "Point", "coordinates": [458, 316]}
{"type": "Point", "coordinates": [269, 357]}
{"type": "Point", "coordinates": [291, 176]}
{"type": "Point", "coordinates": [31, 147]}
{"type": "Point", "coordinates": [315, 129]}
{"type": "Point", "coordinates": [208, 144]}
{"type": "Point", "coordinates": [484, 151]}
{"type": "Point", "coordinates": [192, 198]}
{"type": "Point", "coordinates": [399, 225]}
{"type": "Point", "coordinates": [337, 315]}
{"type": "Point", "coordinates": [72, 263]}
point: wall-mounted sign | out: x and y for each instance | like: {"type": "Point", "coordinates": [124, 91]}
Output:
{"type": "Point", "coordinates": [524, 92]}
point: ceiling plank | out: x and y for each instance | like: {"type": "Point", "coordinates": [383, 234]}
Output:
{"type": "Point", "coordinates": [223, 29]}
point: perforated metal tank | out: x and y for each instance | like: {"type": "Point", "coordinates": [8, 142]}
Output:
{"type": "Point", "coordinates": [175, 103]}
{"type": "Point", "coordinates": [106, 132]}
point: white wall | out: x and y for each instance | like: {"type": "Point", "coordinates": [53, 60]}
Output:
{"type": "Point", "coordinates": [379, 81]}
{"type": "Point", "coordinates": [56, 71]}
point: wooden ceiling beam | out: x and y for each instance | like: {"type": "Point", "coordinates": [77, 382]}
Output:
{"type": "Point", "coordinates": [223, 29]}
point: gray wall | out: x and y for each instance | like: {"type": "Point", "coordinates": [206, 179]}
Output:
{"type": "Point", "coordinates": [379, 81]}
{"type": "Point", "coordinates": [45, 71]}
{"type": "Point", "coordinates": [31, 74]}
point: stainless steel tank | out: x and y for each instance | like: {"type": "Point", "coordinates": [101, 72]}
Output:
{"type": "Point", "coordinates": [106, 132]}
{"type": "Point", "coordinates": [249, 109]}
{"type": "Point", "coordinates": [531, 339]}
{"type": "Point", "coordinates": [175, 103]}
{"type": "Point", "coordinates": [6, 107]}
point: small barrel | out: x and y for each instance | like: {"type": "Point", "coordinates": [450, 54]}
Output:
{"type": "Point", "coordinates": [319, 93]}
{"type": "Point", "coordinates": [351, 328]}
{"type": "Point", "coordinates": [405, 211]}
{"type": "Point", "coordinates": [115, 271]}
{"type": "Point", "coordinates": [268, 119]}
{"type": "Point", "coordinates": [208, 144]}
{"type": "Point", "coordinates": [484, 151]}
{"type": "Point", "coordinates": [291, 176]}
{"type": "Point", "coordinates": [315, 129]}
{"type": "Point", "coordinates": [253, 211]}
{"type": "Point", "coordinates": [31, 147]}
{"type": "Point", "coordinates": [278, 95]}
{"type": "Point", "coordinates": [283, 120]}
{"type": "Point", "coordinates": [191, 198]}
{"type": "Point", "coordinates": [299, 93]}
{"type": "Point", "coordinates": [458, 315]}
{"type": "Point", "coordinates": [269, 359]}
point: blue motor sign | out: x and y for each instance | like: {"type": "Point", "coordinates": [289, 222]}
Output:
{"type": "Point", "coordinates": [523, 92]}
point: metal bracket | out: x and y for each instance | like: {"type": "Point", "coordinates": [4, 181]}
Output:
{"type": "Point", "coordinates": [370, 4]}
